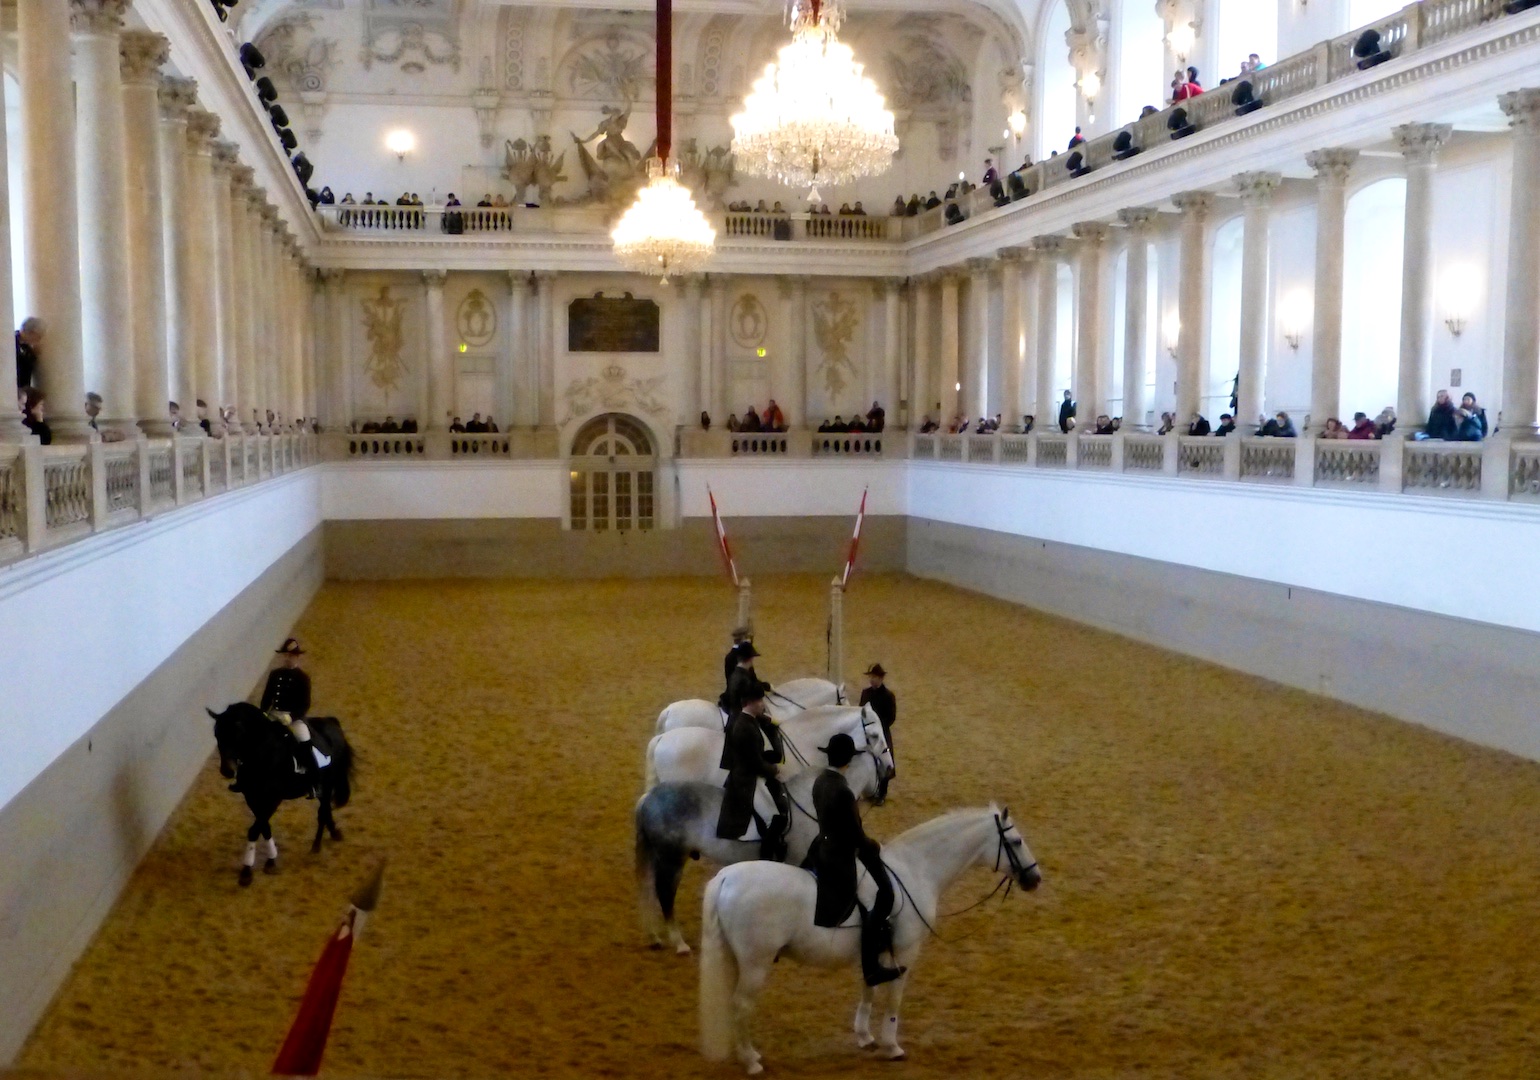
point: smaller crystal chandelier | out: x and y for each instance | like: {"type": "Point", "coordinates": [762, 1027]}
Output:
{"type": "Point", "coordinates": [814, 116]}
{"type": "Point", "coordinates": [663, 232]}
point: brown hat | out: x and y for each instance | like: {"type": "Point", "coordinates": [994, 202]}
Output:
{"type": "Point", "coordinates": [876, 669]}
{"type": "Point", "coordinates": [290, 647]}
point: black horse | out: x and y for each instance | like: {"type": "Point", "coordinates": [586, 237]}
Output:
{"type": "Point", "coordinates": [259, 753]}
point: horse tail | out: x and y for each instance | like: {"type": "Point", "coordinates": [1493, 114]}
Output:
{"type": "Point", "coordinates": [646, 875]}
{"type": "Point", "coordinates": [342, 762]}
{"type": "Point", "coordinates": [650, 775]}
{"type": "Point", "coordinates": [718, 979]}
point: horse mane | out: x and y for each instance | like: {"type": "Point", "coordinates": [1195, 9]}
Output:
{"type": "Point", "coordinates": [926, 830]}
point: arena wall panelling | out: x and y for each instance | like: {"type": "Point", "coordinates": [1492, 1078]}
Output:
{"type": "Point", "coordinates": [83, 805]}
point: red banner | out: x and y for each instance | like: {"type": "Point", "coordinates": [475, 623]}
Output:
{"type": "Point", "coordinates": [727, 551]}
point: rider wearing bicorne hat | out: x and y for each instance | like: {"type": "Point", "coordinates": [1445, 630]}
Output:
{"type": "Point", "coordinates": [730, 661]}
{"type": "Point", "coordinates": [286, 698]}
{"type": "Point", "coordinates": [741, 680]}
{"type": "Point", "coordinates": [885, 705]}
{"type": "Point", "coordinates": [841, 842]}
{"type": "Point", "coordinates": [752, 751]}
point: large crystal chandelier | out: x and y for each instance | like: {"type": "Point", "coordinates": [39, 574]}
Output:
{"type": "Point", "coordinates": [663, 232]}
{"type": "Point", "coordinates": [813, 116]}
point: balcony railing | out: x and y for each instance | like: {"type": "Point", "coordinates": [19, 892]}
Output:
{"type": "Point", "coordinates": [1415, 27]}
{"type": "Point", "coordinates": [51, 495]}
{"type": "Point", "coordinates": [1457, 470]}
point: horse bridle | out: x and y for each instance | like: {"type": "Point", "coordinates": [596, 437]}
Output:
{"type": "Point", "coordinates": [866, 735]}
{"type": "Point", "coordinates": [1008, 849]}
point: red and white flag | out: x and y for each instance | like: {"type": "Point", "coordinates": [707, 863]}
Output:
{"type": "Point", "coordinates": [855, 542]}
{"type": "Point", "coordinates": [301, 1052]}
{"type": "Point", "coordinates": [727, 552]}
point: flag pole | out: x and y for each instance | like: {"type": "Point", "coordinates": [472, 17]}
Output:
{"type": "Point", "coordinates": [745, 589]}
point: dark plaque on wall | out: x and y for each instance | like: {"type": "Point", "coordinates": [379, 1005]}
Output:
{"type": "Point", "coordinates": [602, 323]}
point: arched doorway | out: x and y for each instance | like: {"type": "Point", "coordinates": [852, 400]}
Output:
{"type": "Point", "coordinates": [613, 475]}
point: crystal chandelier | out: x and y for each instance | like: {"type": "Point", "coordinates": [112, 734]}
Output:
{"type": "Point", "coordinates": [813, 116]}
{"type": "Point", "coordinates": [663, 232]}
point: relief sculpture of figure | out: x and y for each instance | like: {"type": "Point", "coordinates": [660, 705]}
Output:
{"type": "Point", "coordinates": [382, 326]}
{"type": "Point", "coordinates": [526, 166]}
{"type": "Point", "coordinates": [614, 168]}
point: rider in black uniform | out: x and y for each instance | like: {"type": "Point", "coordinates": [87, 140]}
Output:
{"type": "Point", "coordinates": [841, 842]}
{"type": "Point", "coordinates": [286, 698]}
{"type": "Point", "coordinates": [741, 680]}
{"type": "Point", "coordinates": [730, 661]}
{"type": "Point", "coordinates": [885, 705]}
{"type": "Point", "coordinates": [748, 759]}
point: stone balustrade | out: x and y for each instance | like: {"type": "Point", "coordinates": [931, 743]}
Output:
{"type": "Point", "coordinates": [523, 444]}
{"type": "Point", "coordinates": [1395, 465]}
{"type": "Point", "coordinates": [51, 495]}
{"type": "Point", "coordinates": [1415, 27]}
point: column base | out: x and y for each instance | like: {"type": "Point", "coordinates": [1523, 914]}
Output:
{"type": "Point", "coordinates": [12, 430]}
{"type": "Point", "coordinates": [73, 430]}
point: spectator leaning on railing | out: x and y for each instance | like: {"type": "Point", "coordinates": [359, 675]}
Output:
{"type": "Point", "coordinates": [28, 338]}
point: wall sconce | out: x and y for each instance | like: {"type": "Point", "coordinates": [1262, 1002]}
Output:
{"type": "Point", "coordinates": [1090, 85]}
{"type": "Point", "coordinates": [1458, 293]}
{"type": "Point", "coordinates": [1171, 330]}
{"type": "Point", "coordinates": [1017, 122]}
{"type": "Point", "coordinates": [401, 143]}
{"type": "Point", "coordinates": [1293, 315]}
{"type": "Point", "coordinates": [1180, 40]}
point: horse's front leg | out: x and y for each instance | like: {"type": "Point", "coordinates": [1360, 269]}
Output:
{"type": "Point", "coordinates": [271, 865]}
{"type": "Point", "coordinates": [888, 1040]}
{"type": "Point", "coordinates": [249, 858]}
{"type": "Point", "coordinates": [864, 1018]}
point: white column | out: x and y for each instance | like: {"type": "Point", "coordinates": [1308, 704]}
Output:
{"type": "Point", "coordinates": [176, 99]}
{"type": "Point", "coordinates": [254, 375]}
{"type": "Point", "coordinates": [545, 284]}
{"type": "Point", "coordinates": [48, 207]}
{"type": "Point", "coordinates": [238, 381]}
{"type": "Point", "coordinates": [227, 324]}
{"type": "Point", "coordinates": [1521, 325]}
{"type": "Point", "coordinates": [1331, 170]}
{"type": "Point", "coordinates": [948, 352]}
{"type": "Point", "coordinates": [301, 392]}
{"type": "Point", "coordinates": [142, 55]}
{"type": "Point", "coordinates": [1046, 408]}
{"type": "Point", "coordinates": [1031, 289]}
{"type": "Point", "coordinates": [1420, 144]}
{"type": "Point", "coordinates": [1012, 335]}
{"type": "Point", "coordinates": [1192, 302]}
{"type": "Point", "coordinates": [267, 333]}
{"type": "Point", "coordinates": [10, 421]}
{"type": "Point", "coordinates": [332, 363]}
{"type": "Point", "coordinates": [1092, 347]}
{"type": "Point", "coordinates": [527, 364]}
{"type": "Point", "coordinates": [699, 357]}
{"type": "Point", "coordinates": [805, 329]}
{"type": "Point", "coordinates": [508, 362]}
{"type": "Point", "coordinates": [436, 351]}
{"type": "Point", "coordinates": [794, 295]}
{"type": "Point", "coordinates": [203, 279]}
{"type": "Point", "coordinates": [977, 335]}
{"type": "Point", "coordinates": [922, 383]}
{"type": "Point", "coordinates": [693, 390]}
{"type": "Point", "coordinates": [720, 392]}
{"type": "Point", "coordinates": [107, 333]}
{"type": "Point", "coordinates": [888, 392]}
{"type": "Point", "coordinates": [1256, 192]}
{"type": "Point", "coordinates": [1136, 315]}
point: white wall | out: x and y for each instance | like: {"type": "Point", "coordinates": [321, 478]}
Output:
{"type": "Point", "coordinates": [83, 626]}
{"type": "Point", "coordinates": [1466, 560]}
{"type": "Point", "coordinates": [793, 488]}
{"type": "Point", "coordinates": [419, 490]}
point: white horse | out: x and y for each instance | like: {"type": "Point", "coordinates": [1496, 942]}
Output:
{"type": "Point", "coordinates": [675, 822]}
{"type": "Point", "coordinates": [693, 753]}
{"type": "Point", "coordinates": [785, 701]}
{"type": "Point", "coordinates": [756, 912]}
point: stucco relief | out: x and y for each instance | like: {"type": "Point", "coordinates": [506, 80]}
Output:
{"type": "Point", "coordinates": [835, 322]}
{"type": "Point", "coordinates": [613, 390]}
{"type": "Point", "coordinates": [476, 319]}
{"type": "Point", "coordinates": [748, 323]}
{"type": "Point", "coordinates": [382, 327]}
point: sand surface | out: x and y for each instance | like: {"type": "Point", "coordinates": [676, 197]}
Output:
{"type": "Point", "coordinates": [1240, 881]}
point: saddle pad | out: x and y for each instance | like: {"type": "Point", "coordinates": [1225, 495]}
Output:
{"type": "Point", "coordinates": [320, 759]}
{"type": "Point", "coordinates": [764, 810]}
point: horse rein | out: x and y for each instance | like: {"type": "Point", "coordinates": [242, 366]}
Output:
{"type": "Point", "coordinates": [1006, 882]}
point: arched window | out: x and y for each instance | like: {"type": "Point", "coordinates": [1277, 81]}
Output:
{"type": "Point", "coordinates": [1364, 12]}
{"type": "Point", "coordinates": [1243, 27]}
{"type": "Point", "coordinates": [1059, 101]}
{"type": "Point", "coordinates": [1224, 350]}
{"type": "Point", "coordinates": [1371, 299]}
{"type": "Point", "coordinates": [1141, 61]}
{"type": "Point", "coordinates": [613, 472]}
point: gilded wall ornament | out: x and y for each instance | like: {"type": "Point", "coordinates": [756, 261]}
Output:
{"type": "Point", "coordinates": [476, 319]}
{"type": "Point", "coordinates": [382, 326]}
{"type": "Point", "coordinates": [748, 323]}
{"type": "Point", "coordinates": [612, 390]}
{"type": "Point", "coordinates": [835, 322]}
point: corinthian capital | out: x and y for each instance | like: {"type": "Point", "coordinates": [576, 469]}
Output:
{"type": "Point", "coordinates": [141, 55]}
{"type": "Point", "coordinates": [1090, 233]}
{"type": "Point", "coordinates": [435, 279]}
{"type": "Point", "coordinates": [202, 129]}
{"type": "Point", "coordinates": [97, 16]}
{"type": "Point", "coordinates": [1332, 166]}
{"type": "Point", "coordinates": [1522, 107]}
{"type": "Point", "coordinates": [1193, 202]}
{"type": "Point", "coordinates": [177, 96]}
{"type": "Point", "coordinates": [1257, 187]}
{"type": "Point", "coordinates": [1420, 143]}
{"type": "Point", "coordinates": [1138, 218]}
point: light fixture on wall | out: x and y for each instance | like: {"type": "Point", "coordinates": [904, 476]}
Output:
{"type": "Point", "coordinates": [1017, 122]}
{"type": "Point", "coordinates": [1293, 315]}
{"type": "Point", "coordinates": [401, 142]}
{"type": "Point", "coordinates": [1171, 331]}
{"type": "Point", "coordinates": [663, 231]}
{"type": "Point", "coordinates": [1180, 40]}
{"type": "Point", "coordinates": [1457, 291]}
{"type": "Point", "coordinates": [1090, 86]}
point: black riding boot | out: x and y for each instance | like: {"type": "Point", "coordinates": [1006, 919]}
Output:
{"type": "Point", "coordinates": [876, 939]}
{"type": "Point", "coordinates": [772, 844]}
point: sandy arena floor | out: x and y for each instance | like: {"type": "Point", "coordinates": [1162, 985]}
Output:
{"type": "Point", "coordinates": [1240, 881]}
